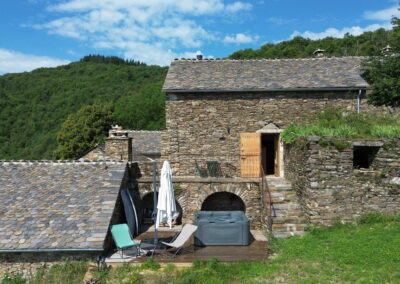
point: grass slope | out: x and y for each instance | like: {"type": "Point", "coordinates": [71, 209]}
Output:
{"type": "Point", "coordinates": [344, 253]}
{"type": "Point", "coordinates": [33, 105]}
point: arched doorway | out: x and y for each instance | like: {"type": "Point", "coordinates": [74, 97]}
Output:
{"type": "Point", "coordinates": [223, 201]}
{"type": "Point", "coordinates": [148, 205]}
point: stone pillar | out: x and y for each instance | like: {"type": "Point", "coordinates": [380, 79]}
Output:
{"type": "Point", "coordinates": [118, 146]}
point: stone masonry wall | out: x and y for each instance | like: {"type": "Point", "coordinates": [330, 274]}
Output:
{"type": "Point", "coordinates": [330, 188]}
{"type": "Point", "coordinates": [118, 148]}
{"type": "Point", "coordinates": [195, 190]}
{"type": "Point", "coordinates": [27, 264]}
{"type": "Point", "coordinates": [97, 154]}
{"type": "Point", "coordinates": [207, 126]}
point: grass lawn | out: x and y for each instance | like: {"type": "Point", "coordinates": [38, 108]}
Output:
{"type": "Point", "coordinates": [365, 253]}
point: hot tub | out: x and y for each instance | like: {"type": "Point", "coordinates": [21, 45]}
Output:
{"type": "Point", "coordinates": [222, 228]}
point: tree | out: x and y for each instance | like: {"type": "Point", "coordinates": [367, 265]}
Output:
{"type": "Point", "coordinates": [144, 110]}
{"type": "Point", "coordinates": [383, 74]}
{"type": "Point", "coordinates": [84, 129]}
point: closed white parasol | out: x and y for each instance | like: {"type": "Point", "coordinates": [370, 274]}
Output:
{"type": "Point", "coordinates": [166, 207]}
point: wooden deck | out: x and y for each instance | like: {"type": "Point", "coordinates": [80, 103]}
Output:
{"type": "Point", "coordinates": [256, 251]}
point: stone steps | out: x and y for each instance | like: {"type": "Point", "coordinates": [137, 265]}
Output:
{"type": "Point", "coordinates": [287, 216]}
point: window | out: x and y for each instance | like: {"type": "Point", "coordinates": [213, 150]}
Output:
{"type": "Point", "coordinates": [363, 156]}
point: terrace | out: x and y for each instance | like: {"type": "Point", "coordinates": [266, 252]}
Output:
{"type": "Point", "coordinates": [257, 250]}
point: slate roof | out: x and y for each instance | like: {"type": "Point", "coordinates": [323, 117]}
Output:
{"type": "Point", "coordinates": [264, 74]}
{"type": "Point", "coordinates": [145, 142]}
{"type": "Point", "coordinates": [57, 205]}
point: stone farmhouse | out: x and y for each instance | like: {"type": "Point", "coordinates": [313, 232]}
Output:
{"type": "Point", "coordinates": [224, 122]}
{"type": "Point", "coordinates": [228, 115]}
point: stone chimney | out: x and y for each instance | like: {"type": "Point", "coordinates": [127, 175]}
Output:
{"type": "Point", "coordinates": [118, 146]}
{"type": "Point", "coordinates": [199, 55]}
{"type": "Point", "coordinates": [318, 53]}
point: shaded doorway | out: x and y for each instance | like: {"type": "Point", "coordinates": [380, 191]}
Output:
{"type": "Point", "coordinates": [270, 154]}
{"type": "Point", "coordinates": [148, 209]}
{"type": "Point", "coordinates": [223, 201]}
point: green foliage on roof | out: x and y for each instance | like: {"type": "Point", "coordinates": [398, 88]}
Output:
{"type": "Point", "coordinates": [33, 105]}
{"type": "Point", "coordinates": [336, 122]}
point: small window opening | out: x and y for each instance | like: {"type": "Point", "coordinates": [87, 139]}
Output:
{"type": "Point", "coordinates": [363, 156]}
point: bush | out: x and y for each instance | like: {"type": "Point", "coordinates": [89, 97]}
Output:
{"type": "Point", "coordinates": [150, 265]}
{"type": "Point", "coordinates": [378, 218]}
{"type": "Point", "coordinates": [13, 278]}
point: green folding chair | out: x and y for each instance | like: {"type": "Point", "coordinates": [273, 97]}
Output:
{"type": "Point", "coordinates": [123, 238]}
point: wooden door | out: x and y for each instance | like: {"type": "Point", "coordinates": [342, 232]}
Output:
{"type": "Point", "coordinates": [250, 154]}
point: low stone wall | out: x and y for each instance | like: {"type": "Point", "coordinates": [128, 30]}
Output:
{"type": "Point", "coordinates": [330, 188]}
{"type": "Point", "coordinates": [27, 264]}
{"type": "Point", "coordinates": [193, 192]}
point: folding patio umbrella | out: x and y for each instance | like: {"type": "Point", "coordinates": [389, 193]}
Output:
{"type": "Point", "coordinates": [166, 207]}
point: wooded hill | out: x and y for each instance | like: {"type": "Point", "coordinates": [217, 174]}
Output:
{"type": "Point", "coordinates": [366, 44]}
{"type": "Point", "coordinates": [33, 105]}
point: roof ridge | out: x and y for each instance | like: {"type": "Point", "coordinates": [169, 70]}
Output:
{"type": "Point", "coordinates": [61, 162]}
{"type": "Point", "coordinates": [128, 130]}
{"type": "Point", "coordinates": [262, 59]}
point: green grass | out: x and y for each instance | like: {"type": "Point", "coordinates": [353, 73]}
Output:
{"type": "Point", "coordinates": [335, 122]}
{"type": "Point", "coordinates": [69, 272]}
{"type": "Point", "coordinates": [364, 253]}
{"type": "Point", "coordinates": [343, 253]}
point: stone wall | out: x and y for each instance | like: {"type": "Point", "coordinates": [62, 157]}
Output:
{"type": "Point", "coordinates": [28, 263]}
{"type": "Point", "coordinates": [330, 188]}
{"type": "Point", "coordinates": [118, 148]}
{"type": "Point", "coordinates": [195, 190]}
{"type": "Point", "coordinates": [207, 126]}
{"type": "Point", "coordinates": [95, 154]}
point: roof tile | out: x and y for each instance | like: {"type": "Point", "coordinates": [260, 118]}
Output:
{"type": "Point", "coordinates": [264, 74]}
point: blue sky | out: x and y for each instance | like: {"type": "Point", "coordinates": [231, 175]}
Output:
{"type": "Point", "coordinates": [40, 33]}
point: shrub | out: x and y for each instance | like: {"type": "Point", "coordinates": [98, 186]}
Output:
{"type": "Point", "coordinates": [377, 217]}
{"type": "Point", "coordinates": [13, 278]}
{"type": "Point", "coordinates": [150, 264]}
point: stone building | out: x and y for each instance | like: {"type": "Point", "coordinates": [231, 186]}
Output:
{"type": "Point", "coordinates": [340, 179]}
{"type": "Point", "coordinates": [224, 119]}
{"type": "Point", "coordinates": [128, 145]}
{"type": "Point", "coordinates": [51, 211]}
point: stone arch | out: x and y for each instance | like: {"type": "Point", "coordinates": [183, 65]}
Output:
{"type": "Point", "coordinates": [194, 194]}
{"type": "Point", "coordinates": [148, 205]}
{"type": "Point", "coordinates": [223, 201]}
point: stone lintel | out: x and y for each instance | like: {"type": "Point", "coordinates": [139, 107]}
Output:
{"type": "Point", "coordinates": [190, 179]}
{"type": "Point", "coordinates": [368, 143]}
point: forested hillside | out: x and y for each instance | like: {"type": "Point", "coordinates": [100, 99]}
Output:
{"type": "Point", "coordinates": [34, 105]}
{"type": "Point", "coordinates": [367, 44]}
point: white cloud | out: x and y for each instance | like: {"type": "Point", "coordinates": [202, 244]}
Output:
{"type": "Point", "coordinates": [280, 21]}
{"type": "Point", "coordinates": [13, 61]}
{"type": "Point", "coordinates": [240, 39]}
{"type": "Point", "coordinates": [238, 6]}
{"type": "Point", "coordinates": [382, 15]}
{"type": "Point", "coordinates": [146, 30]}
{"type": "Point", "coordinates": [332, 32]}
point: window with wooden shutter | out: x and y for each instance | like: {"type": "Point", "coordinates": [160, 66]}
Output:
{"type": "Point", "coordinates": [250, 154]}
